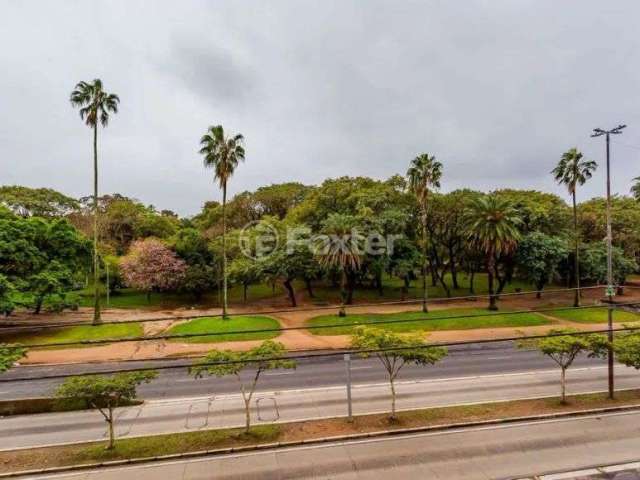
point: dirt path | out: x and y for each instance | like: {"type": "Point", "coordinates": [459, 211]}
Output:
{"type": "Point", "coordinates": [297, 340]}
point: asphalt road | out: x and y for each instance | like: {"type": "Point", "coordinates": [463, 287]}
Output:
{"type": "Point", "coordinates": [522, 450]}
{"type": "Point", "coordinates": [213, 411]}
{"type": "Point", "coordinates": [318, 372]}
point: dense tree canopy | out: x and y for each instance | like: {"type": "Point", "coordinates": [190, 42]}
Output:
{"type": "Point", "coordinates": [36, 202]}
{"type": "Point", "coordinates": [43, 256]}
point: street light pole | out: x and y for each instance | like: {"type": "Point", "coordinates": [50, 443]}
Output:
{"type": "Point", "coordinates": [597, 132]}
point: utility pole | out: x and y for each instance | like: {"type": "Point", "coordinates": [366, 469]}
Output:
{"type": "Point", "coordinates": [597, 132]}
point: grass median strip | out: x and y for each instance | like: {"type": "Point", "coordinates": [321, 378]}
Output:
{"type": "Point", "coordinates": [220, 326]}
{"type": "Point", "coordinates": [595, 315]}
{"type": "Point", "coordinates": [157, 445]}
{"type": "Point", "coordinates": [79, 333]}
{"type": "Point", "coordinates": [433, 321]}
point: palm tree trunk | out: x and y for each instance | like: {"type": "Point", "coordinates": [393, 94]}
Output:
{"type": "Point", "coordinates": [343, 293]}
{"type": "Point", "coordinates": [576, 297]}
{"type": "Point", "coordinates": [96, 267]}
{"type": "Point", "coordinates": [425, 290]}
{"type": "Point", "coordinates": [224, 250]}
{"type": "Point", "coordinates": [492, 297]}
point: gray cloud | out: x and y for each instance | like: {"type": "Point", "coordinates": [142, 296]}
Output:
{"type": "Point", "coordinates": [496, 89]}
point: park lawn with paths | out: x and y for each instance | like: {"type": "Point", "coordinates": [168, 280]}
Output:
{"type": "Point", "coordinates": [427, 322]}
{"type": "Point", "coordinates": [151, 446]}
{"type": "Point", "coordinates": [220, 327]}
{"type": "Point", "coordinates": [595, 315]}
{"type": "Point", "coordinates": [77, 334]}
{"type": "Point", "coordinates": [392, 289]}
{"type": "Point", "coordinates": [131, 298]}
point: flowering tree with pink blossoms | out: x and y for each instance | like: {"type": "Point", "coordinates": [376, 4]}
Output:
{"type": "Point", "coordinates": [151, 266]}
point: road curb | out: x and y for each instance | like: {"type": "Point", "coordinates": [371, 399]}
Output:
{"type": "Point", "coordinates": [320, 441]}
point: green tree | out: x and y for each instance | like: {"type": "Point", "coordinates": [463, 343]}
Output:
{"type": "Point", "coordinates": [492, 226]}
{"type": "Point", "coordinates": [627, 348]}
{"type": "Point", "coordinates": [105, 393]}
{"type": "Point", "coordinates": [424, 174]}
{"type": "Point", "coordinates": [9, 355]}
{"type": "Point", "coordinates": [221, 363]}
{"type": "Point", "coordinates": [276, 200]}
{"type": "Point", "coordinates": [563, 349]}
{"type": "Point", "coordinates": [6, 290]}
{"type": "Point", "coordinates": [41, 259]}
{"type": "Point", "coordinates": [635, 188]}
{"type": "Point", "coordinates": [95, 106]}
{"type": "Point", "coordinates": [222, 154]}
{"type": "Point", "coordinates": [341, 249]}
{"type": "Point", "coordinates": [245, 271]}
{"type": "Point", "coordinates": [538, 257]}
{"type": "Point", "coordinates": [36, 202]}
{"type": "Point", "coordinates": [51, 282]}
{"type": "Point", "coordinates": [395, 351]}
{"type": "Point", "coordinates": [572, 171]}
{"type": "Point", "coordinates": [625, 223]}
{"type": "Point", "coordinates": [593, 264]}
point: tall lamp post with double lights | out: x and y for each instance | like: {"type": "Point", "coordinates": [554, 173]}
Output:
{"type": "Point", "coordinates": [598, 132]}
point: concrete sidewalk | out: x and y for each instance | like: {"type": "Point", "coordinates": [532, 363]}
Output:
{"type": "Point", "coordinates": [189, 414]}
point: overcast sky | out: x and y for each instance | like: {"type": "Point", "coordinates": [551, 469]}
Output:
{"type": "Point", "coordinates": [497, 90]}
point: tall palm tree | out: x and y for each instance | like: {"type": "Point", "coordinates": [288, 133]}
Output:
{"type": "Point", "coordinates": [342, 250]}
{"type": "Point", "coordinates": [424, 173]}
{"type": "Point", "coordinates": [635, 188]}
{"type": "Point", "coordinates": [222, 154]}
{"type": "Point", "coordinates": [572, 171]}
{"type": "Point", "coordinates": [492, 225]}
{"type": "Point", "coordinates": [95, 106]}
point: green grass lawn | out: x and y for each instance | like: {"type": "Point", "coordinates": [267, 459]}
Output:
{"type": "Point", "coordinates": [324, 293]}
{"type": "Point", "coordinates": [82, 332]}
{"type": "Point", "coordinates": [488, 320]}
{"type": "Point", "coordinates": [392, 289]}
{"type": "Point", "coordinates": [595, 315]}
{"type": "Point", "coordinates": [131, 298]}
{"type": "Point", "coordinates": [219, 326]}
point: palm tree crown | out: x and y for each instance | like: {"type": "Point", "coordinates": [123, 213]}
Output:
{"type": "Point", "coordinates": [425, 172]}
{"type": "Point", "coordinates": [221, 153]}
{"type": "Point", "coordinates": [572, 170]}
{"type": "Point", "coordinates": [492, 224]}
{"type": "Point", "coordinates": [95, 104]}
{"type": "Point", "coordinates": [635, 188]}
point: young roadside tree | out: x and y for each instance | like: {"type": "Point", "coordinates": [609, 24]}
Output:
{"type": "Point", "coordinates": [403, 349]}
{"type": "Point", "coordinates": [9, 355]}
{"type": "Point", "coordinates": [95, 106]}
{"type": "Point", "coordinates": [538, 258]}
{"type": "Point", "coordinates": [563, 349]}
{"type": "Point", "coordinates": [267, 356]}
{"type": "Point", "coordinates": [151, 266]}
{"type": "Point", "coordinates": [627, 348]}
{"type": "Point", "coordinates": [105, 393]}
